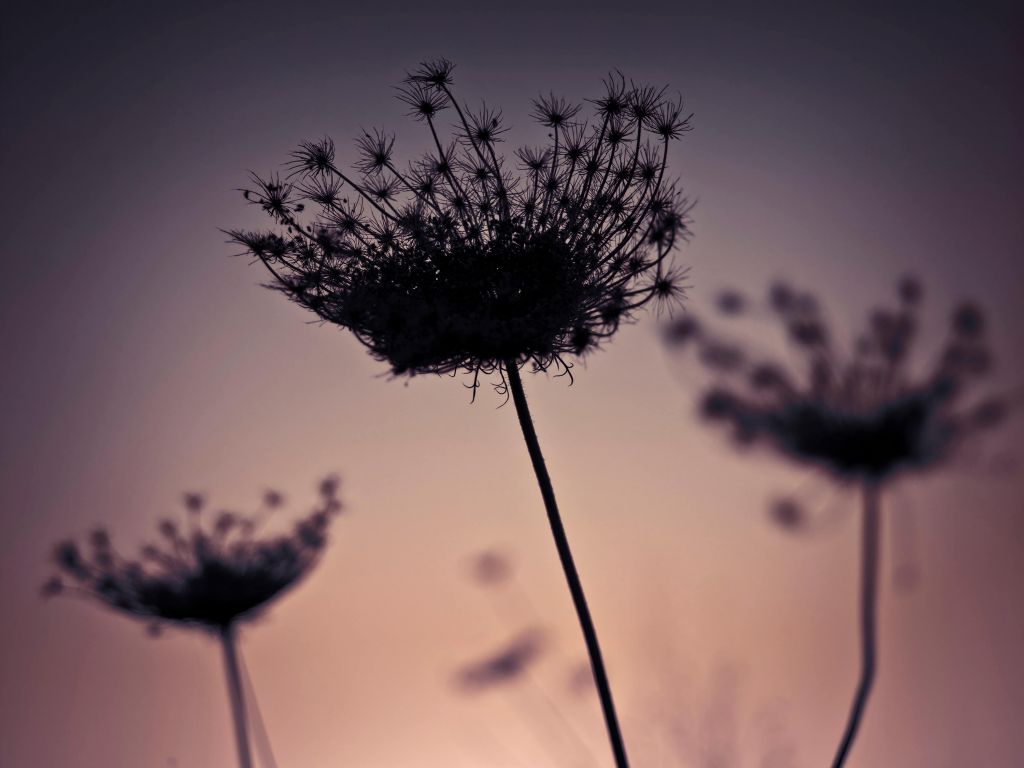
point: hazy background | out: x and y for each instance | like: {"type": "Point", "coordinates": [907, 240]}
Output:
{"type": "Point", "coordinates": [836, 148]}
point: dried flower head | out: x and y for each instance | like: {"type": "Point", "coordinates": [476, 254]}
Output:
{"type": "Point", "coordinates": [205, 573]}
{"type": "Point", "coordinates": [862, 416]}
{"type": "Point", "coordinates": [507, 665]}
{"type": "Point", "coordinates": [457, 263]}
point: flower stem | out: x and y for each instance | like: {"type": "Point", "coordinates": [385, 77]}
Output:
{"type": "Point", "coordinates": [870, 535]}
{"type": "Point", "coordinates": [579, 600]}
{"type": "Point", "coordinates": [235, 695]}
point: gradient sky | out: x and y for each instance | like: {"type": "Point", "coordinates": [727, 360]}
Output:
{"type": "Point", "coordinates": [836, 148]}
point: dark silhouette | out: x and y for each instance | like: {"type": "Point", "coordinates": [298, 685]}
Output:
{"type": "Point", "coordinates": [508, 664]}
{"type": "Point", "coordinates": [863, 418]}
{"type": "Point", "coordinates": [455, 263]}
{"type": "Point", "coordinates": [207, 579]}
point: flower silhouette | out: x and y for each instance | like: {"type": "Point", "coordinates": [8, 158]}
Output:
{"type": "Point", "coordinates": [863, 417]}
{"type": "Point", "coordinates": [206, 575]}
{"type": "Point", "coordinates": [458, 262]}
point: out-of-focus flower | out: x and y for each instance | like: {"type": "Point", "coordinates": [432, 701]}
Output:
{"type": "Point", "coordinates": [211, 575]}
{"type": "Point", "coordinates": [862, 416]}
{"type": "Point", "coordinates": [490, 568]}
{"type": "Point", "coordinates": [788, 513]}
{"type": "Point", "coordinates": [505, 666]}
{"type": "Point", "coordinates": [204, 573]}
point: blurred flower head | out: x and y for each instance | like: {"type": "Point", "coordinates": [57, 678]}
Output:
{"type": "Point", "coordinates": [463, 260]}
{"type": "Point", "coordinates": [788, 513]}
{"type": "Point", "coordinates": [505, 666]}
{"type": "Point", "coordinates": [490, 568]}
{"type": "Point", "coordinates": [861, 415]}
{"type": "Point", "coordinates": [206, 573]}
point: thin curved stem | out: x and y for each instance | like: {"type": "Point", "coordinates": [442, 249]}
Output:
{"type": "Point", "coordinates": [870, 536]}
{"type": "Point", "coordinates": [579, 600]}
{"type": "Point", "coordinates": [236, 695]}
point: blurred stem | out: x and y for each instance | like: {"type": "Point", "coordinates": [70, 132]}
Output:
{"type": "Point", "coordinates": [261, 738]}
{"type": "Point", "coordinates": [579, 600]}
{"type": "Point", "coordinates": [870, 535]}
{"type": "Point", "coordinates": [228, 642]}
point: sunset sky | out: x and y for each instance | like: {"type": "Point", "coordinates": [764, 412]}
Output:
{"type": "Point", "coordinates": [836, 149]}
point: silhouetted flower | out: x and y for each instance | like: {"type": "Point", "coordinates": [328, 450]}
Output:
{"type": "Point", "coordinates": [864, 416]}
{"type": "Point", "coordinates": [207, 576]}
{"type": "Point", "coordinates": [199, 574]}
{"type": "Point", "coordinates": [454, 262]}
{"type": "Point", "coordinates": [505, 666]}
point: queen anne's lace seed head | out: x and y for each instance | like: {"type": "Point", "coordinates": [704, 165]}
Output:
{"type": "Point", "coordinates": [862, 416]}
{"type": "Point", "coordinates": [454, 262]}
{"type": "Point", "coordinates": [202, 572]}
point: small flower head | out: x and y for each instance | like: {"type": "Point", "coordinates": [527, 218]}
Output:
{"type": "Point", "coordinates": [491, 568]}
{"type": "Point", "coordinates": [504, 667]}
{"type": "Point", "coordinates": [553, 111]}
{"type": "Point", "coordinates": [617, 96]}
{"type": "Point", "coordinates": [461, 264]}
{"type": "Point", "coordinates": [313, 157]}
{"type": "Point", "coordinates": [788, 513]}
{"type": "Point", "coordinates": [668, 120]}
{"type": "Point", "coordinates": [424, 101]}
{"type": "Point", "coordinates": [485, 126]}
{"type": "Point", "coordinates": [209, 576]}
{"type": "Point", "coordinates": [863, 416]}
{"type": "Point", "coordinates": [193, 502]}
{"type": "Point", "coordinates": [375, 151]}
{"type": "Point", "coordinates": [436, 73]}
{"type": "Point", "coordinates": [534, 162]}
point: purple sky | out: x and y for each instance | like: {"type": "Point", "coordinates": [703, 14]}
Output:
{"type": "Point", "coordinates": [836, 148]}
